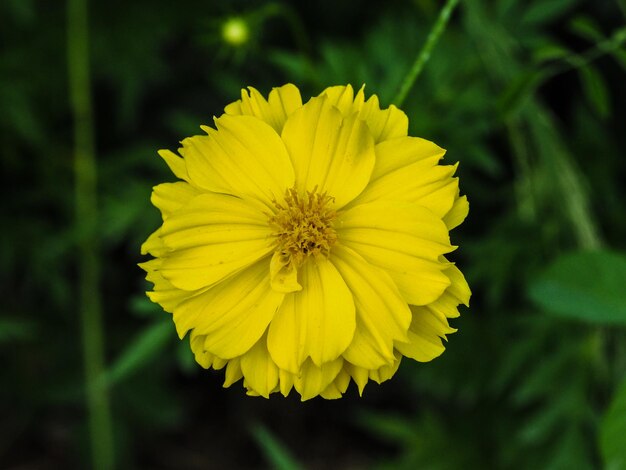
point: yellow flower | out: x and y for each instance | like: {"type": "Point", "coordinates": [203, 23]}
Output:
{"type": "Point", "coordinates": [305, 245]}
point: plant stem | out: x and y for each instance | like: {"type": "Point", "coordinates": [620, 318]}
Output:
{"type": "Point", "coordinates": [423, 56]}
{"type": "Point", "coordinates": [85, 173]}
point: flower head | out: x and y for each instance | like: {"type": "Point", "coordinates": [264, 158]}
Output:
{"type": "Point", "coordinates": [304, 246]}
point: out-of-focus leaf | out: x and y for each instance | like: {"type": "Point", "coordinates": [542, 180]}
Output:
{"type": "Point", "coordinates": [144, 307]}
{"type": "Point", "coordinates": [543, 11]}
{"type": "Point", "coordinates": [619, 54]}
{"type": "Point", "coordinates": [587, 286]}
{"type": "Point", "coordinates": [570, 451]}
{"type": "Point", "coordinates": [505, 7]}
{"type": "Point", "coordinates": [140, 351]}
{"type": "Point", "coordinates": [539, 425]}
{"type": "Point", "coordinates": [619, 34]}
{"type": "Point", "coordinates": [595, 90]}
{"type": "Point", "coordinates": [293, 65]}
{"type": "Point", "coordinates": [275, 451]}
{"type": "Point", "coordinates": [22, 11]}
{"type": "Point", "coordinates": [396, 429]}
{"type": "Point", "coordinates": [185, 357]}
{"type": "Point", "coordinates": [586, 28]}
{"type": "Point", "coordinates": [16, 329]}
{"type": "Point", "coordinates": [534, 384]}
{"type": "Point", "coordinates": [613, 430]}
{"type": "Point", "coordinates": [519, 91]}
{"type": "Point", "coordinates": [550, 51]}
{"type": "Point", "coordinates": [121, 211]}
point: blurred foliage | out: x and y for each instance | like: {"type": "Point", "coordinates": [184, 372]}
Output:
{"type": "Point", "coordinates": [527, 95]}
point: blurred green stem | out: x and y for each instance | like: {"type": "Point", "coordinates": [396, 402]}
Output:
{"type": "Point", "coordinates": [100, 425]}
{"type": "Point", "coordinates": [424, 54]}
{"type": "Point", "coordinates": [524, 186]}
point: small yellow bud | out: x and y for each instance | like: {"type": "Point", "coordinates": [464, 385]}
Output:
{"type": "Point", "coordinates": [235, 31]}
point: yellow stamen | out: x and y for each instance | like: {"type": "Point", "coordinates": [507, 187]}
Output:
{"type": "Point", "coordinates": [303, 226]}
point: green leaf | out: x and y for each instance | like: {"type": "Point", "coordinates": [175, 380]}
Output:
{"type": "Point", "coordinates": [587, 286]}
{"type": "Point", "coordinates": [595, 90]}
{"type": "Point", "coordinates": [613, 430]}
{"type": "Point", "coordinates": [550, 51]}
{"type": "Point", "coordinates": [543, 11]}
{"type": "Point", "coordinates": [391, 428]}
{"type": "Point", "coordinates": [276, 453]}
{"type": "Point", "coordinates": [619, 35]}
{"type": "Point", "coordinates": [186, 359]}
{"type": "Point", "coordinates": [586, 28]}
{"type": "Point", "coordinates": [142, 306]}
{"type": "Point", "coordinates": [140, 351]}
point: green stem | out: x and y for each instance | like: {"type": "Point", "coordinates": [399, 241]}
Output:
{"type": "Point", "coordinates": [423, 56]}
{"type": "Point", "coordinates": [85, 172]}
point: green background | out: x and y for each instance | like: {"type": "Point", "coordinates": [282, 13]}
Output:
{"type": "Point", "coordinates": [529, 97]}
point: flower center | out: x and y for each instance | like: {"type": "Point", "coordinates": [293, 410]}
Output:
{"type": "Point", "coordinates": [303, 226]}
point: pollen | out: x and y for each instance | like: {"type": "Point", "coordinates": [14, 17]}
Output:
{"type": "Point", "coordinates": [303, 226]}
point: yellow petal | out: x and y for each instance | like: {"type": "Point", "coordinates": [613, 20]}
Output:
{"type": "Point", "coordinates": [457, 213]}
{"type": "Point", "coordinates": [407, 228]}
{"type": "Point", "coordinates": [406, 170]}
{"type": "Point", "coordinates": [342, 97]}
{"type": "Point", "coordinates": [232, 315]}
{"type": "Point", "coordinates": [176, 164]}
{"type": "Point", "coordinates": [259, 371]}
{"type": "Point", "coordinates": [168, 197]}
{"type": "Point", "coordinates": [244, 157]}
{"type": "Point", "coordinates": [425, 335]}
{"type": "Point", "coordinates": [384, 124]}
{"type": "Point", "coordinates": [382, 315]}
{"type": "Point", "coordinates": [316, 322]}
{"type": "Point", "coordinates": [284, 278]}
{"type": "Point", "coordinates": [331, 392]}
{"type": "Point", "coordinates": [212, 218]}
{"type": "Point", "coordinates": [154, 245]}
{"type": "Point", "coordinates": [212, 237]}
{"type": "Point", "coordinates": [387, 371]}
{"type": "Point", "coordinates": [281, 103]}
{"type": "Point", "coordinates": [433, 188]}
{"type": "Point", "coordinates": [360, 375]}
{"type": "Point", "coordinates": [406, 240]}
{"type": "Point", "coordinates": [233, 372]}
{"type": "Point", "coordinates": [458, 292]}
{"type": "Point", "coordinates": [204, 358]}
{"type": "Point", "coordinates": [286, 379]}
{"type": "Point", "coordinates": [458, 289]}
{"type": "Point", "coordinates": [284, 101]}
{"type": "Point", "coordinates": [163, 293]}
{"type": "Point", "coordinates": [329, 152]}
{"type": "Point", "coordinates": [314, 379]}
{"type": "Point", "coordinates": [398, 153]}
{"type": "Point", "coordinates": [338, 387]}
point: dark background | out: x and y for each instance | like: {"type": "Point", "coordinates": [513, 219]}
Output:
{"type": "Point", "coordinates": [528, 96]}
